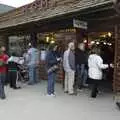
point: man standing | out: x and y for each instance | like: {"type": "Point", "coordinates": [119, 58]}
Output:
{"type": "Point", "coordinates": [69, 67]}
{"type": "Point", "coordinates": [33, 62]}
{"type": "Point", "coordinates": [81, 59]}
{"type": "Point", "coordinates": [3, 71]}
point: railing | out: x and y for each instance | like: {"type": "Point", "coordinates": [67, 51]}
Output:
{"type": "Point", "coordinates": [40, 6]}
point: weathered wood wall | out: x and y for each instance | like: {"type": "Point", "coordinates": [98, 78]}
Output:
{"type": "Point", "coordinates": [47, 9]}
{"type": "Point", "coordinates": [116, 82]}
{"type": "Point", "coordinates": [4, 41]}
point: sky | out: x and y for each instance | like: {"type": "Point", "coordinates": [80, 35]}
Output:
{"type": "Point", "coordinates": [16, 3]}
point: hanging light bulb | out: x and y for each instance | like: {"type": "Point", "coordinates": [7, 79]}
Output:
{"type": "Point", "coordinates": [47, 39]}
{"type": "Point", "coordinates": [52, 42]}
{"type": "Point", "coordinates": [97, 43]}
{"type": "Point", "coordinates": [104, 43]}
{"type": "Point", "coordinates": [104, 36]}
{"type": "Point", "coordinates": [85, 41]}
{"type": "Point", "coordinates": [110, 44]}
{"type": "Point", "coordinates": [92, 42]}
{"type": "Point", "coordinates": [109, 34]}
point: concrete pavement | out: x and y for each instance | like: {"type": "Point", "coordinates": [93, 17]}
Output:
{"type": "Point", "coordinates": [31, 103]}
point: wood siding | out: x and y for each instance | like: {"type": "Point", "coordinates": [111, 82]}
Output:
{"type": "Point", "coordinates": [34, 11]}
{"type": "Point", "coordinates": [116, 82]}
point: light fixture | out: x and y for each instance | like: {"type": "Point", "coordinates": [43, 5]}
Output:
{"type": "Point", "coordinates": [85, 41]}
{"type": "Point", "coordinates": [109, 34]}
{"type": "Point", "coordinates": [52, 42]}
{"type": "Point", "coordinates": [97, 43]}
{"type": "Point", "coordinates": [47, 39]}
{"type": "Point", "coordinates": [104, 43]}
{"type": "Point", "coordinates": [110, 44]}
{"type": "Point", "coordinates": [104, 36]}
{"type": "Point", "coordinates": [92, 42]}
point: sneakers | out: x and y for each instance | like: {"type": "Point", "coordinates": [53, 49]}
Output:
{"type": "Point", "coordinates": [51, 95]}
{"type": "Point", "coordinates": [72, 94]}
{"type": "Point", "coordinates": [16, 88]}
{"type": "Point", "coordinates": [3, 98]}
{"type": "Point", "coordinates": [65, 91]}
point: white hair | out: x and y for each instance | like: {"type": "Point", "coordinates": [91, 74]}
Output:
{"type": "Point", "coordinates": [70, 44]}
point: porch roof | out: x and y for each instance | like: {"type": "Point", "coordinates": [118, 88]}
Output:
{"type": "Point", "coordinates": [33, 13]}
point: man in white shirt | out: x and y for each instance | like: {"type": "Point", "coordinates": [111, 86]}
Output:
{"type": "Point", "coordinates": [69, 67]}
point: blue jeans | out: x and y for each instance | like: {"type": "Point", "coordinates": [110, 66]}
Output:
{"type": "Point", "coordinates": [32, 74]}
{"type": "Point", "coordinates": [82, 75]}
{"type": "Point", "coordinates": [51, 82]}
{"type": "Point", "coordinates": [2, 82]}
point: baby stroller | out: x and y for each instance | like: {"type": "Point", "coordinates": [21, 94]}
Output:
{"type": "Point", "coordinates": [22, 73]}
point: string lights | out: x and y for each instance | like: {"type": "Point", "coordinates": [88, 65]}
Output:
{"type": "Point", "coordinates": [50, 38]}
{"type": "Point", "coordinates": [104, 39]}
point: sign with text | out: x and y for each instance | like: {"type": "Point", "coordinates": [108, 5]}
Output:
{"type": "Point", "coordinates": [80, 24]}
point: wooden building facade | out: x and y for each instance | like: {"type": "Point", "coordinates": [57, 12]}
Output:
{"type": "Point", "coordinates": [56, 16]}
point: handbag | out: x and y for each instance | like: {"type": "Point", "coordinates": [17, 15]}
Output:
{"type": "Point", "coordinates": [54, 68]}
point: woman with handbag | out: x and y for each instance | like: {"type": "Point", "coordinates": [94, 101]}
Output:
{"type": "Point", "coordinates": [95, 64]}
{"type": "Point", "coordinates": [52, 61]}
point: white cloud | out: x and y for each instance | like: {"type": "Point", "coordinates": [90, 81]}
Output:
{"type": "Point", "coordinates": [16, 3]}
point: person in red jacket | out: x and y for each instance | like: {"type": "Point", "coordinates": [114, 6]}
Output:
{"type": "Point", "coordinates": [3, 70]}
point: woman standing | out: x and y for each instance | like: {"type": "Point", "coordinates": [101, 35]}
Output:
{"type": "Point", "coordinates": [12, 70]}
{"type": "Point", "coordinates": [52, 67]}
{"type": "Point", "coordinates": [95, 64]}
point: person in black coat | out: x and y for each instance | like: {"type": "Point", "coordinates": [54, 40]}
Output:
{"type": "Point", "coordinates": [12, 71]}
{"type": "Point", "coordinates": [81, 59]}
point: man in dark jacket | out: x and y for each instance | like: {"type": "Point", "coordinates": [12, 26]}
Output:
{"type": "Point", "coordinates": [81, 64]}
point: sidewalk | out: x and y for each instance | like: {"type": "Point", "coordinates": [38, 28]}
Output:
{"type": "Point", "coordinates": [30, 103]}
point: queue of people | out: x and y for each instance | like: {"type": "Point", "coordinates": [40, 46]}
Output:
{"type": "Point", "coordinates": [9, 67]}
{"type": "Point", "coordinates": [81, 69]}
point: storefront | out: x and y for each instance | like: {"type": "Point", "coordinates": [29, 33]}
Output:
{"type": "Point", "coordinates": [57, 25]}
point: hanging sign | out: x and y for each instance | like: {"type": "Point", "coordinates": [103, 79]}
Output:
{"type": "Point", "coordinates": [80, 24]}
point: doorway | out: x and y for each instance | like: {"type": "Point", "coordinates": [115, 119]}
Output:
{"type": "Point", "coordinates": [106, 42]}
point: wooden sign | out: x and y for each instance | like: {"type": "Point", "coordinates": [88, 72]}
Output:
{"type": "Point", "coordinates": [80, 24]}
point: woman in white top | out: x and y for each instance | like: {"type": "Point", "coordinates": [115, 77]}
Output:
{"type": "Point", "coordinates": [95, 64]}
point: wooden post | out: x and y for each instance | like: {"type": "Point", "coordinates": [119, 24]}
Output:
{"type": "Point", "coordinates": [33, 39]}
{"type": "Point", "coordinates": [80, 35]}
{"type": "Point", "coordinates": [116, 81]}
{"type": "Point", "coordinates": [7, 44]}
